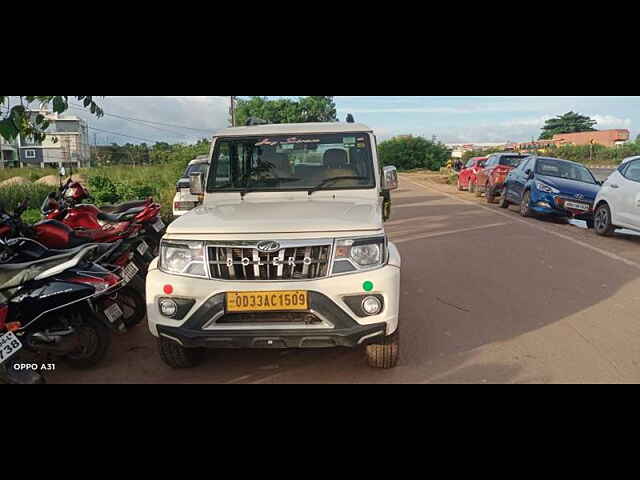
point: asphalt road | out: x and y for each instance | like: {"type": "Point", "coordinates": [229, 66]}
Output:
{"type": "Point", "coordinates": [488, 297]}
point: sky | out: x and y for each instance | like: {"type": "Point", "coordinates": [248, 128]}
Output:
{"type": "Point", "coordinates": [452, 119]}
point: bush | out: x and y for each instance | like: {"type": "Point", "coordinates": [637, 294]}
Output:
{"type": "Point", "coordinates": [11, 196]}
{"type": "Point", "coordinates": [408, 153]}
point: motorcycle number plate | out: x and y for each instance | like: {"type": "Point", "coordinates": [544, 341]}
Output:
{"type": "Point", "coordinates": [113, 313]}
{"type": "Point", "coordinates": [129, 272]}
{"type": "Point", "coordinates": [142, 247]}
{"type": "Point", "coordinates": [9, 346]}
{"type": "Point", "coordinates": [158, 225]}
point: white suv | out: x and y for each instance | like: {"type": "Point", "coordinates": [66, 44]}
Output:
{"type": "Point", "coordinates": [618, 202]}
{"type": "Point", "coordinates": [288, 249]}
{"type": "Point", "coordinates": [183, 201]}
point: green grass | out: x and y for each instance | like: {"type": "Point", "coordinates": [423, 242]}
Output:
{"type": "Point", "coordinates": [158, 181]}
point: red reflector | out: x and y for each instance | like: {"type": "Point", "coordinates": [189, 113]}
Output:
{"type": "Point", "coordinates": [168, 289]}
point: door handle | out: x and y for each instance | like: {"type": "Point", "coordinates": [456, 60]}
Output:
{"type": "Point", "coordinates": [614, 186]}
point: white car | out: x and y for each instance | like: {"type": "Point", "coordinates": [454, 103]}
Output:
{"type": "Point", "coordinates": [618, 202]}
{"type": "Point", "coordinates": [288, 249]}
{"type": "Point", "coordinates": [184, 201]}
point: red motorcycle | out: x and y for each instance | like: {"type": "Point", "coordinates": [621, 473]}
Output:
{"type": "Point", "coordinates": [25, 243]}
{"type": "Point", "coordinates": [69, 210]}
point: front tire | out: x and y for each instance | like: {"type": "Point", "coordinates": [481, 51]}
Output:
{"type": "Point", "coordinates": [525, 205]}
{"type": "Point", "coordinates": [384, 355]}
{"type": "Point", "coordinates": [178, 357]}
{"type": "Point", "coordinates": [602, 221]}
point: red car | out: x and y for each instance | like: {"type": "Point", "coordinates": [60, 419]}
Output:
{"type": "Point", "coordinates": [467, 176]}
{"type": "Point", "coordinates": [490, 179]}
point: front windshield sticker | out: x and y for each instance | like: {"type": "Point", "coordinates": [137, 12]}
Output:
{"type": "Point", "coordinates": [289, 141]}
{"type": "Point", "coordinates": [349, 141]}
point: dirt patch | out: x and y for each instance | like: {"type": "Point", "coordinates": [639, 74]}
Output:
{"type": "Point", "coordinates": [15, 181]}
{"type": "Point", "coordinates": [51, 180]}
{"type": "Point", "coordinates": [54, 180]}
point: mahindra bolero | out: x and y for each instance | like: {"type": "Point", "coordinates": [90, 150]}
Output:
{"type": "Point", "coordinates": [287, 249]}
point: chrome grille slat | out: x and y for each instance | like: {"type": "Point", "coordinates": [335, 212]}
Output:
{"type": "Point", "coordinates": [240, 262]}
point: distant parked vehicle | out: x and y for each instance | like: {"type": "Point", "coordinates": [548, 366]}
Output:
{"type": "Point", "coordinates": [490, 179]}
{"type": "Point", "coordinates": [467, 176]}
{"type": "Point", "coordinates": [618, 202]}
{"type": "Point", "coordinates": [183, 201]}
{"type": "Point", "coordinates": [551, 186]}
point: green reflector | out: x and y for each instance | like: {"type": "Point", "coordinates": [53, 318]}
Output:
{"type": "Point", "coordinates": [368, 286]}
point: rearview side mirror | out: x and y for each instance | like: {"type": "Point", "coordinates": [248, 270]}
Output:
{"type": "Point", "coordinates": [197, 185]}
{"type": "Point", "coordinates": [389, 178]}
{"type": "Point", "coordinates": [529, 173]}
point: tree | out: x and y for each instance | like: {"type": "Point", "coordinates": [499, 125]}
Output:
{"type": "Point", "coordinates": [407, 153]}
{"type": "Point", "coordinates": [304, 110]}
{"type": "Point", "coordinates": [17, 120]}
{"type": "Point", "coordinates": [570, 122]}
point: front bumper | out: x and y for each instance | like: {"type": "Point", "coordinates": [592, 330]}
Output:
{"type": "Point", "coordinates": [207, 323]}
{"type": "Point", "coordinates": [552, 204]}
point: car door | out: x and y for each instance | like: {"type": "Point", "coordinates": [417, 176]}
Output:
{"type": "Point", "coordinates": [483, 173]}
{"type": "Point", "coordinates": [627, 201]}
{"type": "Point", "coordinates": [518, 179]}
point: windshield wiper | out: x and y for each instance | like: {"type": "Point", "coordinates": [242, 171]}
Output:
{"type": "Point", "coordinates": [333, 179]}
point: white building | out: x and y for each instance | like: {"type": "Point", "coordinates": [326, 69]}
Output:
{"type": "Point", "coordinates": [66, 143]}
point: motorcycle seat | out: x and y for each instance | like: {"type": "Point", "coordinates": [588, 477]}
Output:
{"type": "Point", "coordinates": [119, 217]}
{"type": "Point", "coordinates": [123, 207]}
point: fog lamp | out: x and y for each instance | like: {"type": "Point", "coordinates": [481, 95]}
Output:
{"type": "Point", "coordinates": [168, 307]}
{"type": "Point", "coordinates": [371, 305]}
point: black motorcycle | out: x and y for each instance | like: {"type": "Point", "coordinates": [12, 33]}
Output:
{"type": "Point", "coordinates": [49, 306]}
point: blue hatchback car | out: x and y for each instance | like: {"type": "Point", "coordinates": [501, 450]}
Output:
{"type": "Point", "coordinates": [551, 186]}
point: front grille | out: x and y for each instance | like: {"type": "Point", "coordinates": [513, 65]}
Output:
{"type": "Point", "coordinates": [288, 263]}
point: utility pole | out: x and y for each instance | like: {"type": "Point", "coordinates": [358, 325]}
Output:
{"type": "Point", "coordinates": [232, 110]}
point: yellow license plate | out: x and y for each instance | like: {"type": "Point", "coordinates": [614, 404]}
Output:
{"type": "Point", "coordinates": [281, 301]}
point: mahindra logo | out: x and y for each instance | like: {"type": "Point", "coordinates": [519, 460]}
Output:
{"type": "Point", "coordinates": [268, 246]}
{"type": "Point", "coordinates": [579, 196]}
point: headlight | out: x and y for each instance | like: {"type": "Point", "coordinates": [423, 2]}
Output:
{"type": "Point", "coordinates": [543, 187]}
{"type": "Point", "coordinates": [359, 253]}
{"type": "Point", "coordinates": [182, 258]}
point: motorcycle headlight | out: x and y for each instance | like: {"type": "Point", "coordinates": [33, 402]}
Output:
{"type": "Point", "coordinates": [543, 187]}
{"type": "Point", "coordinates": [359, 254]}
{"type": "Point", "coordinates": [182, 258]}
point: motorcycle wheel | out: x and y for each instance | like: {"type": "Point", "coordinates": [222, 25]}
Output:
{"type": "Point", "coordinates": [94, 341]}
{"type": "Point", "coordinates": [133, 304]}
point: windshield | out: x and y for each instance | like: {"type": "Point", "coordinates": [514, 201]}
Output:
{"type": "Point", "coordinates": [511, 161]}
{"type": "Point", "coordinates": [563, 169]}
{"type": "Point", "coordinates": [335, 161]}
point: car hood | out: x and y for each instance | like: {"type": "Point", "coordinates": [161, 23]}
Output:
{"type": "Point", "coordinates": [281, 216]}
{"type": "Point", "coordinates": [571, 187]}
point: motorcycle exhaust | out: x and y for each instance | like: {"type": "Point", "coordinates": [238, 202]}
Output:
{"type": "Point", "coordinates": [60, 342]}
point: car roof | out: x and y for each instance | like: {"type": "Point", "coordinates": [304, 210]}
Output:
{"type": "Point", "coordinates": [293, 128]}
{"type": "Point", "coordinates": [199, 160]}
{"type": "Point", "coordinates": [560, 159]}
{"type": "Point", "coordinates": [628, 159]}
{"type": "Point", "coordinates": [512, 154]}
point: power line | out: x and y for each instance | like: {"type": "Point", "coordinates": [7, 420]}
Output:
{"type": "Point", "coordinates": [122, 135]}
{"type": "Point", "coordinates": [149, 121]}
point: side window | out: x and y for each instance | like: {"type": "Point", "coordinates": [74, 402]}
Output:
{"type": "Point", "coordinates": [623, 168]}
{"type": "Point", "coordinates": [632, 172]}
{"type": "Point", "coordinates": [222, 161]}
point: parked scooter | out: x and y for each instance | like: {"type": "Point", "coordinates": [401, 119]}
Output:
{"type": "Point", "coordinates": [49, 306]}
